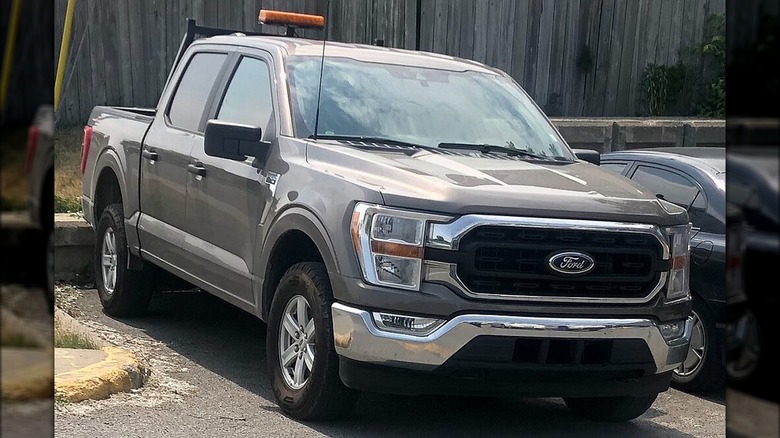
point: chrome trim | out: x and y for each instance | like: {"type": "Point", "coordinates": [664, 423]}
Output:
{"type": "Point", "coordinates": [356, 337]}
{"type": "Point", "coordinates": [365, 222]}
{"type": "Point", "coordinates": [447, 273]}
{"type": "Point", "coordinates": [448, 236]}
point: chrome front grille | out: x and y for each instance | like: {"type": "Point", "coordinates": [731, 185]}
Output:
{"type": "Point", "coordinates": [510, 260]}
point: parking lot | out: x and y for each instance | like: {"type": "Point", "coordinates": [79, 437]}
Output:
{"type": "Point", "coordinates": [208, 379]}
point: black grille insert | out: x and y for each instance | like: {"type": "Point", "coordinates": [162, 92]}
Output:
{"type": "Point", "coordinates": [515, 261]}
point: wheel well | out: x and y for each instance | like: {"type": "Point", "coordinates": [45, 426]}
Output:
{"type": "Point", "coordinates": [107, 192]}
{"type": "Point", "coordinates": [292, 247]}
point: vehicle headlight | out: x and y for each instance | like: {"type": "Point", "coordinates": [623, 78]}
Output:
{"type": "Point", "coordinates": [389, 244]}
{"type": "Point", "coordinates": [678, 285]}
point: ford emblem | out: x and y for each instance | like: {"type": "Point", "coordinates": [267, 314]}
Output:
{"type": "Point", "coordinates": [571, 263]}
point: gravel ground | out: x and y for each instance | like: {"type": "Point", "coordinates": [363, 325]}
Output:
{"type": "Point", "coordinates": [208, 380]}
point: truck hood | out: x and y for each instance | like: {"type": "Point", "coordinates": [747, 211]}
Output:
{"type": "Point", "coordinates": [462, 182]}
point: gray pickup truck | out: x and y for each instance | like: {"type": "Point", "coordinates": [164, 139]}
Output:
{"type": "Point", "coordinates": [404, 222]}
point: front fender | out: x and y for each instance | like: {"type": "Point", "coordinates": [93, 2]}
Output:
{"type": "Point", "coordinates": [292, 219]}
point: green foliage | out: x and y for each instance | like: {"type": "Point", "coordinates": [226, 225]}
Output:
{"type": "Point", "coordinates": [696, 88]}
{"type": "Point", "coordinates": [64, 204]}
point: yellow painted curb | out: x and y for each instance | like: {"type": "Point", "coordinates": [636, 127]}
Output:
{"type": "Point", "coordinates": [120, 371]}
{"type": "Point", "coordinates": [35, 382]}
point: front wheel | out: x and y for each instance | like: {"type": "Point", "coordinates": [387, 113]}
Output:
{"type": "Point", "coordinates": [613, 409]}
{"type": "Point", "coordinates": [302, 363]}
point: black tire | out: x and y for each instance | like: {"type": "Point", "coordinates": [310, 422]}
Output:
{"type": "Point", "coordinates": [710, 373]}
{"type": "Point", "coordinates": [762, 378]}
{"type": "Point", "coordinates": [323, 396]}
{"type": "Point", "coordinates": [612, 409]}
{"type": "Point", "coordinates": [133, 288]}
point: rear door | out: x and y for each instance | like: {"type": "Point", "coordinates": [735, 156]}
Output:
{"type": "Point", "coordinates": [225, 197]}
{"type": "Point", "coordinates": [166, 152]}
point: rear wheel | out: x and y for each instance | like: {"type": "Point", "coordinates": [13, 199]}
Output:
{"type": "Point", "coordinates": [302, 363]}
{"type": "Point", "coordinates": [123, 292]}
{"type": "Point", "coordinates": [613, 409]}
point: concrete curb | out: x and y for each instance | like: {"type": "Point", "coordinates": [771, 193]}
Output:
{"type": "Point", "coordinates": [119, 371]}
{"type": "Point", "coordinates": [74, 242]}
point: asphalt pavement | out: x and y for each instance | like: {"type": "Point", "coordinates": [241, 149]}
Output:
{"type": "Point", "coordinates": [208, 380]}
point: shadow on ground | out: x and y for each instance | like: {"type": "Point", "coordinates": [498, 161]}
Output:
{"type": "Point", "coordinates": [231, 343]}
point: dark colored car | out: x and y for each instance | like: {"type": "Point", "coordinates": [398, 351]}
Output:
{"type": "Point", "coordinates": [753, 188]}
{"type": "Point", "coordinates": [743, 335]}
{"type": "Point", "coordinates": [695, 179]}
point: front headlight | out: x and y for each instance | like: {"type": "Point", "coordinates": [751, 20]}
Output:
{"type": "Point", "coordinates": [389, 244]}
{"type": "Point", "coordinates": [678, 285]}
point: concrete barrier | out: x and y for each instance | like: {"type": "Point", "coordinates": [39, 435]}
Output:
{"type": "Point", "coordinates": [617, 134]}
{"type": "Point", "coordinates": [74, 242]}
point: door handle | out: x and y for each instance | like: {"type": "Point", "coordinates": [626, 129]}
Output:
{"type": "Point", "coordinates": [150, 155]}
{"type": "Point", "coordinates": [197, 169]}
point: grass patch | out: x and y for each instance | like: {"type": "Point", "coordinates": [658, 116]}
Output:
{"type": "Point", "coordinates": [66, 336]}
{"type": "Point", "coordinates": [74, 340]}
{"type": "Point", "coordinates": [67, 170]}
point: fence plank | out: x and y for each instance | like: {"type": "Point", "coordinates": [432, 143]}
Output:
{"type": "Point", "coordinates": [626, 57]}
{"type": "Point", "coordinates": [638, 60]}
{"type": "Point", "coordinates": [571, 74]}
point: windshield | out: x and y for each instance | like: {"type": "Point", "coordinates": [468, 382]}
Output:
{"type": "Point", "coordinates": [417, 105]}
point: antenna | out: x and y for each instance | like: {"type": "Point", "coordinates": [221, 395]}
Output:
{"type": "Point", "coordinates": [322, 68]}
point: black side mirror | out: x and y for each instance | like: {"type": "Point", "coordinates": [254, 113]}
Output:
{"type": "Point", "coordinates": [234, 141]}
{"type": "Point", "coordinates": [588, 155]}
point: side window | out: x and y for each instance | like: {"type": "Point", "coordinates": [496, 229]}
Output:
{"type": "Point", "coordinates": [193, 90]}
{"type": "Point", "coordinates": [248, 96]}
{"type": "Point", "coordinates": [672, 186]}
{"type": "Point", "coordinates": [614, 167]}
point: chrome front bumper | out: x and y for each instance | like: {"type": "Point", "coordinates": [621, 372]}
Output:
{"type": "Point", "coordinates": [357, 337]}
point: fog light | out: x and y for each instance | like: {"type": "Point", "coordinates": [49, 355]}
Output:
{"type": "Point", "coordinates": [411, 325]}
{"type": "Point", "coordinates": [672, 330]}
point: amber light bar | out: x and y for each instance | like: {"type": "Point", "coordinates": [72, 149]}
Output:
{"type": "Point", "coordinates": [291, 19]}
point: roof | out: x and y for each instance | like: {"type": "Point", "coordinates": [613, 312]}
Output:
{"type": "Point", "coordinates": [290, 46]}
{"type": "Point", "coordinates": [712, 159]}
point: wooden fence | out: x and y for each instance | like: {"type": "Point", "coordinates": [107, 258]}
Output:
{"type": "Point", "coordinates": [31, 81]}
{"type": "Point", "coordinates": [575, 57]}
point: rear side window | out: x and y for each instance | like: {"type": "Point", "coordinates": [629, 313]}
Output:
{"type": "Point", "coordinates": [614, 167]}
{"type": "Point", "coordinates": [248, 96]}
{"type": "Point", "coordinates": [191, 95]}
{"type": "Point", "coordinates": [672, 186]}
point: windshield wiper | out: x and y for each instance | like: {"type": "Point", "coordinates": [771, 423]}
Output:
{"type": "Point", "coordinates": [366, 139]}
{"type": "Point", "coordinates": [488, 148]}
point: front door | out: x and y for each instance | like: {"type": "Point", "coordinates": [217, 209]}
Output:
{"type": "Point", "coordinates": [225, 197]}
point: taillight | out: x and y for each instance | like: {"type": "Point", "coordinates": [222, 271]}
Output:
{"type": "Point", "coordinates": [85, 142]}
{"type": "Point", "coordinates": [32, 144]}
